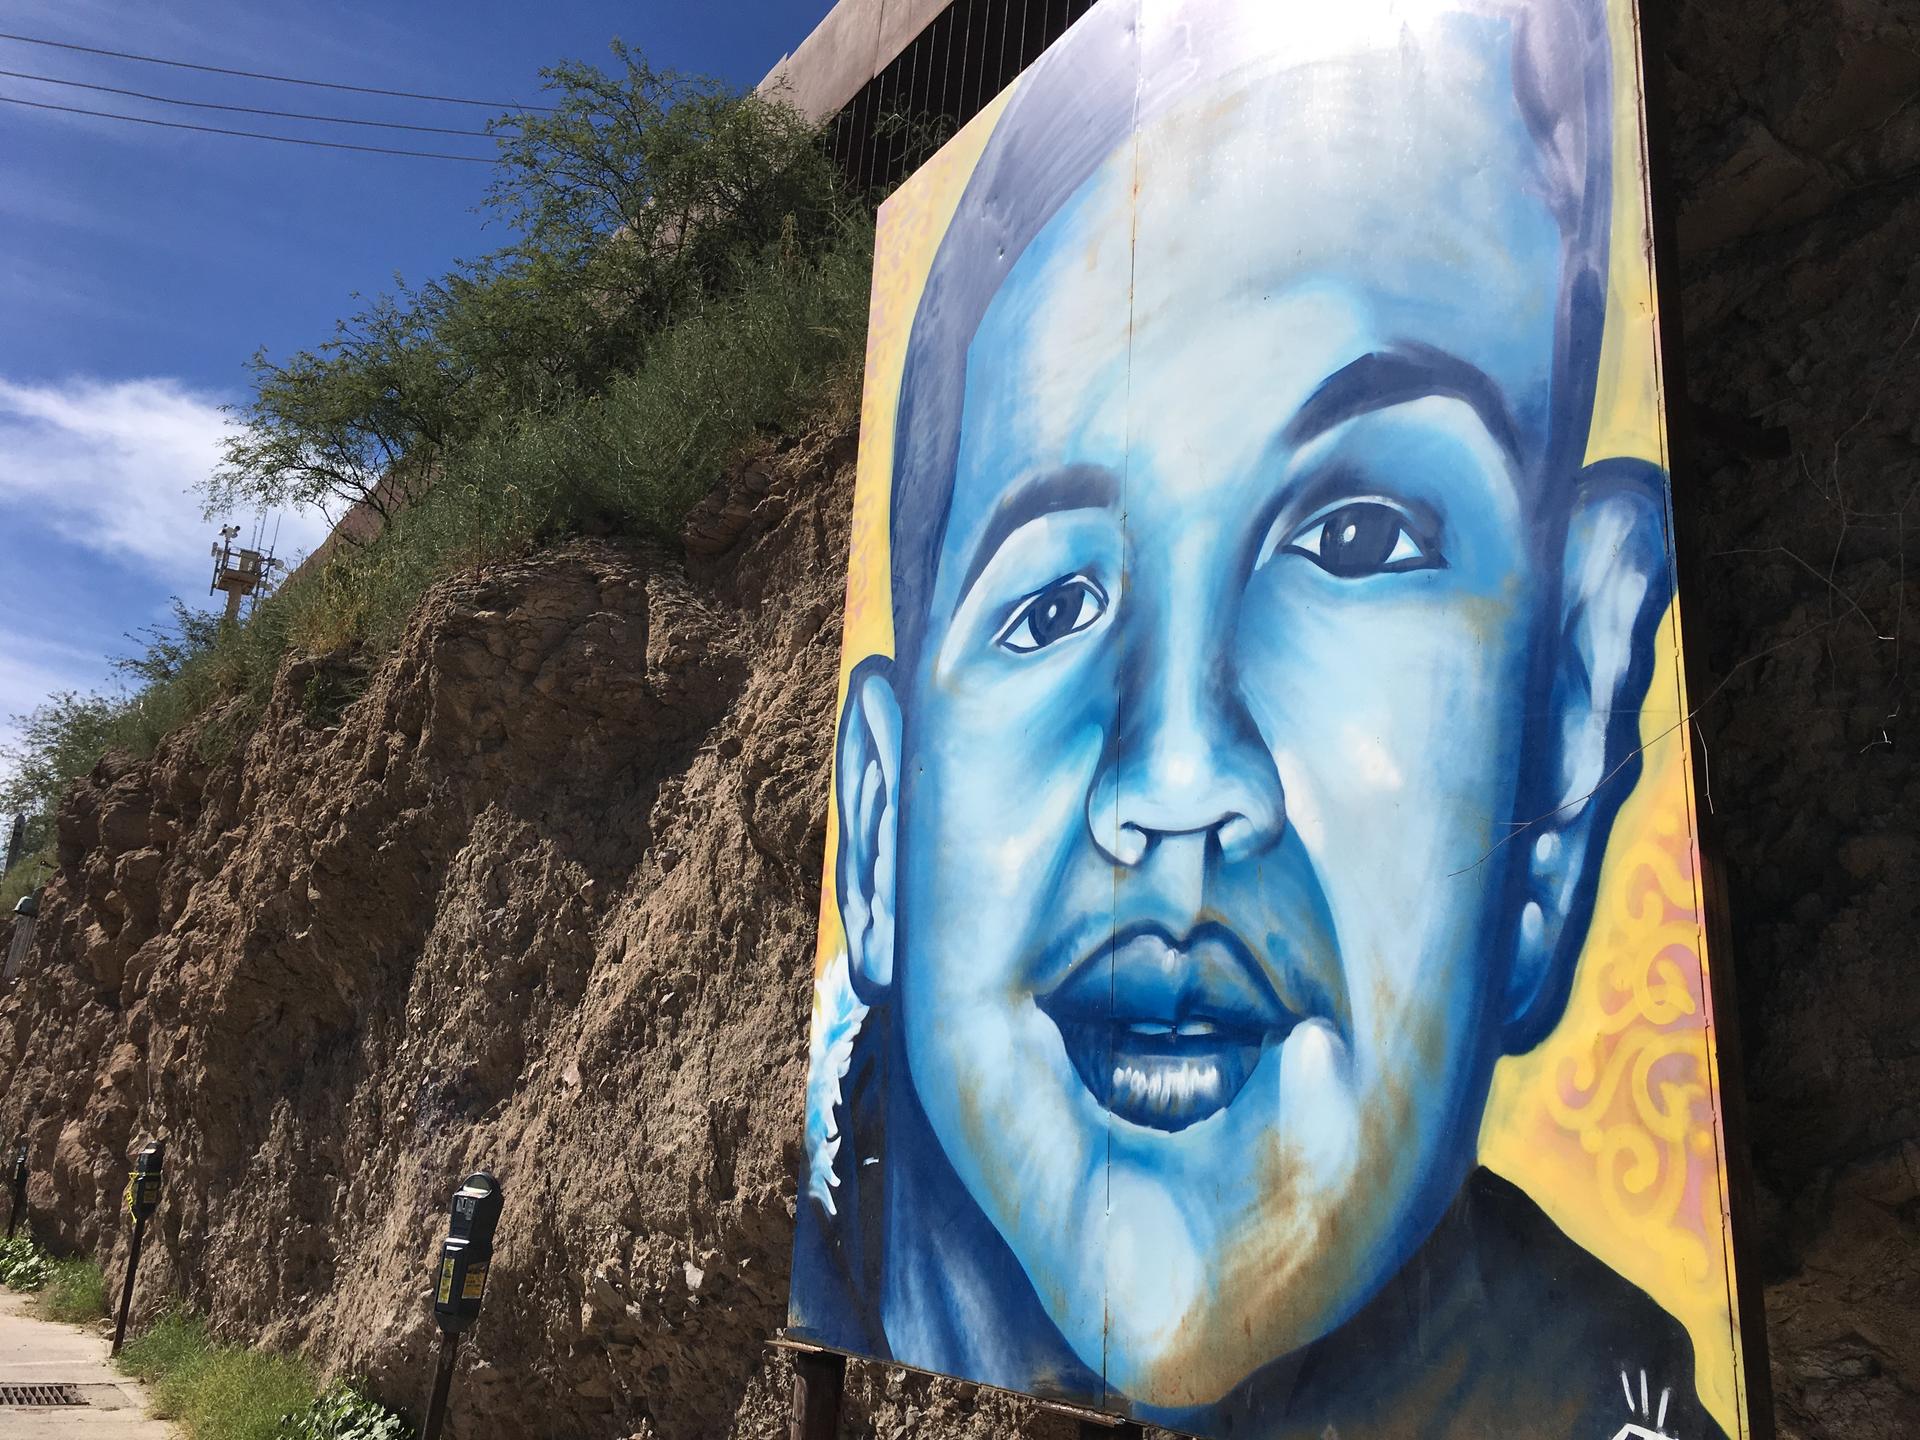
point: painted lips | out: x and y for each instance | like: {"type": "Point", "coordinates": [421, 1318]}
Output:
{"type": "Point", "coordinates": [1165, 1033]}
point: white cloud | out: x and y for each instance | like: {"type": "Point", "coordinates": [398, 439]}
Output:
{"type": "Point", "coordinates": [113, 466]}
{"type": "Point", "coordinates": [110, 468]}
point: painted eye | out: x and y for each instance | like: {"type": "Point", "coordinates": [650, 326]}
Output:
{"type": "Point", "coordinates": [1363, 538]}
{"type": "Point", "coordinates": [1066, 607]}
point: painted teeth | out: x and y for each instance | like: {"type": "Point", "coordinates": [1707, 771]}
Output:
{"type": "Point", "coordinates": [1166, 1085]}
{"type": "Point", "coordinates": [1186, 1029]}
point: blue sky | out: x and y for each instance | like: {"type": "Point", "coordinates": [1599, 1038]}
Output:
{"type": "Point", "coordinates": [141, 267]}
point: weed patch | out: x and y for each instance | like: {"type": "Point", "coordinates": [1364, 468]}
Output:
{"type": "Point", "coordinates": [174, 1345]}
{"type": "Point", "coordinates": [342, 1412]}
{"type": "Point", "coordinates": [215, 1392]}
{"type": "Point", "coordinates": [75, 1291]}
{"type": "Point", "coordinates": [23, 1265]}
{"type": "Point", "coordinates": [228, 1392]}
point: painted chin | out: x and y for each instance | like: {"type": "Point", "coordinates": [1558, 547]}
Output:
{"type": "Point", "coordinates": [1232, 1203]}
{"type": "Point", "coordinates": [1247, 1198]}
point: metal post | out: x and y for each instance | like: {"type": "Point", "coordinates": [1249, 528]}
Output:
{"type": "Point", "coordinates": [819, 1377]}
{"type": "Point", "coordinates": [126, 1293]}
{"type": "Point", "coordinates": [19, 1206]}
{"type": "Point", "coordinates": [442, 1380]}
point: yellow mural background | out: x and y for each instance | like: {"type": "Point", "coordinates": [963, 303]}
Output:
{"type": "Point", "coordinates": [1612, 1124]}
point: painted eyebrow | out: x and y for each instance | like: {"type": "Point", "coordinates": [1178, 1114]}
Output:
{"type": "Point", "coordinates": [1395, 376]}
{"type": "Point", "coordinates": [1071, 487]}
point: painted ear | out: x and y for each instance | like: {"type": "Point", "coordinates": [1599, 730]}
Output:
{"type": "Point", "coordinates": [867, 786]}
{"type": "Point", "coordinates": [1615, 589]}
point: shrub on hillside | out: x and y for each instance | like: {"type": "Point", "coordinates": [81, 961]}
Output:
{"type": "Point", "coordinates": [642, 196]}
{"type": "Point", "coordinates": [59, 741]}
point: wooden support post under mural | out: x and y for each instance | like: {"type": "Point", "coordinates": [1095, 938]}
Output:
{"type": "Point", "coordinates": [819, 1377]}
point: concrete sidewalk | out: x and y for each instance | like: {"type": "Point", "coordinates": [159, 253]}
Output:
{"type": "Point", "coordinates": [39, 1352]}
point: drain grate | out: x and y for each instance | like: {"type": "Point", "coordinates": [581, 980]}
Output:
{"type": "Point", "coordinates": [40, 1395]}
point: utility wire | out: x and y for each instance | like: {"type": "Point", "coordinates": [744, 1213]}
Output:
{"type": "Point", "coordinates": [279, 79]}
{"type": "Point", "coordinates": [246, 134]}
{"type": "Point", "coordinates": [240, 109]}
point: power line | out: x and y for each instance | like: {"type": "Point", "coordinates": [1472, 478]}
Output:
{"type": "Point", "coordinates": [240, 109]}
{"type": "Point", "coordinates": [245, 134]}
{"type": "Point", "coordinates": [279, 79]}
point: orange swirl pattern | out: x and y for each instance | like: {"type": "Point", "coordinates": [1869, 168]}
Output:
{"type": "Point", "coordinates": [1612, 1124]}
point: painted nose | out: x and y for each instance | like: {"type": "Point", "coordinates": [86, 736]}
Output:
{"type": "Point", "coordinates": [1187, 759]}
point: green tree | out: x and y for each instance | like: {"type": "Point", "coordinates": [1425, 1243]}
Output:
{"type": "Point", "coordinates": [643, 195]}
{"type": "Point", "coordinates": [331, 428]}
{"type": "Point", "coordinates": [686, 169]}
{"type": "Point", "coordinates": [60, 741]}
{"type": "Point", "coordinates": [64, 738]}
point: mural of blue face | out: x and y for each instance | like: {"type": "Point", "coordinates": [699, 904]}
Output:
{"type": "Point", "coordinates": [1265, 608]}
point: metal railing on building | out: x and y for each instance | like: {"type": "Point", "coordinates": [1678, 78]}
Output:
{"type": "Point", "coordinates": [969, 53]}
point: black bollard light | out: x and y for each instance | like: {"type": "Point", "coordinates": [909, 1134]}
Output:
{"type": "Point", "coordinates": [143, 1198]}
{"type": "Point", "coordinates": [19, 1187]}
{"type": "Point", "coordinates": [461, 1282]}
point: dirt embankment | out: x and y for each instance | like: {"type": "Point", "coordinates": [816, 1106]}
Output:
{"type": "Point", "coordinates": [542, 897]}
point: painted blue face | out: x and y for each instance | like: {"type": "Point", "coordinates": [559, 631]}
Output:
{"type": "Point", "coordinates": [1204, 937]}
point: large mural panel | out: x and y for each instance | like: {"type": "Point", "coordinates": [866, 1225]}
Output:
{"type": "Point", "coordinates": [1262, 984]}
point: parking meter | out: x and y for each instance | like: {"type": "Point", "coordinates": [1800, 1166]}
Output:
{"type": "Point", "coordinates": [143, 1182]}
{"type": "Point", "coordinates": [19, 1186]}
{"type": "Point", "coordinates": [466, 1252]}
{"type": "Point", "coordinates": [143, 1198]}
{"type": "Point", "coordinates": [461, 1281]}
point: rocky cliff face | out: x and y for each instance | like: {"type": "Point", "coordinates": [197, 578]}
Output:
{"type": "Point", "coordinates": [542, 899]}
{"type": "Point", "coordinates": [539, 891]}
